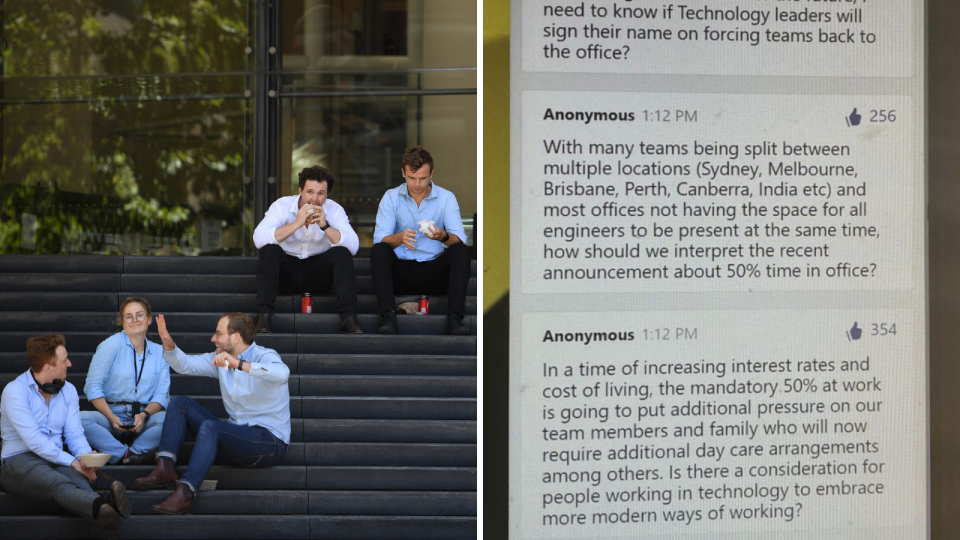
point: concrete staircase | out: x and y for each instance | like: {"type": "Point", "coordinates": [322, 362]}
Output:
{"type": "Point", "coordinates": [384, 427]}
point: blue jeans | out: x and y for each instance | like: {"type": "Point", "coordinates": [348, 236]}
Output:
{"type": "Point", "coordinates": [216, 440]}
{"type": "Point", "coordinates": [101, 435]}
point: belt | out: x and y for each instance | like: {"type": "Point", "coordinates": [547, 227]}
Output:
{"type": "Point", "coordinates": [126, 403]}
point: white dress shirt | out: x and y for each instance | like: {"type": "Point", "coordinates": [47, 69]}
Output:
{"type": "Point", "coordinates": [305, 241]}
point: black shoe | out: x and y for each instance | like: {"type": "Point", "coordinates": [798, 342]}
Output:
{"type": "Point", "coordinates": [110, 521]}
{"type": "Point", "coordinates": [455, 326]}
{"type": "Point", "coordinates": [389, 323]}
{"type": "Point", "coordinates": [146, 458]}
{"type": "Point", "coordinates": [265, 323]}
{"type": "Point", "coordinates": [117, 498]}
{"type": "Point", "coordinates": [350, 326]}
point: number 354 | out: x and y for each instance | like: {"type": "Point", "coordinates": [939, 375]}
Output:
{"type": "Point", "coordinates": [883, 329]}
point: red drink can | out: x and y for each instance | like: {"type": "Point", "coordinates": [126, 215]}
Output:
{"type": "Point", "coordinates": [307, 304]}
{"type": "Point", "coordinates": [424, 306]}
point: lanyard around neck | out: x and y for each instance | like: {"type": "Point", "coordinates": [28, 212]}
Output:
{"type": "Point", "coordinates": [143, 362]}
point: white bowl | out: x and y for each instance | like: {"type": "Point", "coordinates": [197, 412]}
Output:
{"type": "Point", "coordinates": [94, 459]}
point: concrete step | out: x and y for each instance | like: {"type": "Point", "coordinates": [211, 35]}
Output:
{"type": "Point", "coordinates": [150, 283]}
{"type": "Point", "coordinates": [310, 364]}
{"type": "Point", "coordinates": [343, 527]}
{"type": "Point", "coordinates": [43, 264]}
{"type": "Point", "coordinates": [276, 502]}
{"type": "Point", "coordinates": [194, 343]}
{"type": "Point", "coordinates": [403, 431]}
{"type": "Point", "coordinates": [395, 408]}
{"type": "Point", "coordinates": [387, 344]}
{"type": "Point", "coordinates": [387, 385]}
{"type": "Point", "coordinates": [400, 455]}
{"type": "Point", "coordinates": [59, 301]}
{"type": "Point", "coordinates": [321, 386]}
{"type": "Point", "coordinates": [393, 527]}
{"type": "Point", "coordinates": [109, 302]}
{"type": "Point", "coordinates": [37, 264]}
{"type": "Point", "coordinates": [60, 282]}
{"type": "Point", "coordinates": [408, 364]}
{"type": "Point", "coordinates": [369, 454]}
{"type": "Point", "coordinates": [283, 323]}
{"type": "Point", "coordinates": [285, 477]}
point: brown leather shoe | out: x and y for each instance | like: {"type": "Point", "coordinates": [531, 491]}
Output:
{"type": "Point", "coordinates": [117, 498]}
{"type": "Point", "coordinates": [265, 323]}
{"type": "Point", "coordinates": [110, 521]}
{"type": "Point", "coordinates": [163, 476]}
{"type": "Point", "coordinates": [350, 326]}
{"type": "Point", "coordinates": [180, 502]}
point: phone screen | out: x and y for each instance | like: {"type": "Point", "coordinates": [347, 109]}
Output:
{"type": "Point", "coordinates": [718, 270]}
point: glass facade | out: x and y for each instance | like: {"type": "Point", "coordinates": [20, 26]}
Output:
{"type": "Point", "coordinates": [131, 126]}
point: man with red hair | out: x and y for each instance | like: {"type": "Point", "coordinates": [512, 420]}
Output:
{"type": "Point", "coordinates": [37, 409]}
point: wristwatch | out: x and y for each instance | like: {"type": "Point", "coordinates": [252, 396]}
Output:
{"type": "Point", "coordinates": [445, 238]}
{"type": "Point", "coordinates": [240, 364]}
{"type": "Point", "coordinates": [146, 412]}
{"type": "Point", "coordinates": [325, 227]}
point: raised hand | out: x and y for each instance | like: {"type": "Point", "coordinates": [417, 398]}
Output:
{"type": "Point", "coordinates": [168, 344]}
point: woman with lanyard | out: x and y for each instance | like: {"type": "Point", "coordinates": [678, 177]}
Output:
{"type": "Point", "coordinates": [129, 384]}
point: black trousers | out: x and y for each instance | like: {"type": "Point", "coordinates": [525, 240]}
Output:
{"type": "Point", "coordinates": [279, 273]}
{"type": "Point", "coordinates": [448, 274]}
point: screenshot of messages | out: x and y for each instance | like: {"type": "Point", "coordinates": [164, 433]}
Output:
{"type": "Point", "coordinates": [718, 309]}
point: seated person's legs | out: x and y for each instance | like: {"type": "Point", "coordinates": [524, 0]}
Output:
{"type": "Point", "coordinates": [227, 443]}
{"type": "Point", "coordinates": [448, 274]}
{"type": "Point", "coordinates": [334, 267]}
{"type": "Point", "coordinates": [274, 276]}
{"type": "Point", "coordinates": [182, 415]}
{"type": "Point", "coordinates": [31, 477]}
{"type": "Point", "coordinates": [148, 440]}
{"type": "Point", "coordinates": [458, 262]}
{"type": "Point", "coordinates": [383, 262]}
{"type": "Point", "coordinates": [101, 435]}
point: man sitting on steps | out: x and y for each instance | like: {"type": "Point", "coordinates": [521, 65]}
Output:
{"type": "Point", "coordinates": [411, 256]}
{"type": "Point", "coordinates": [306, 244]}
{"type": "Point", "coordinates": [37, 410]}
{"type": "Point", "coordinates": [253, 382]}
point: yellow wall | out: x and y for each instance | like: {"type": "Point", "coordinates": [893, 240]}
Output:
{"type": "Point", "coordinates": [496, 151]}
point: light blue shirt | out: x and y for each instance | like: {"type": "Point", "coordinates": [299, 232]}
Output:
{"type": "Point", "coordinates": [111, 374]}
{"type": "Point", "coordinates": [399, 212]}
{"type": "Point", "coordinates": [27, 424]}
{"type": "Point", "coordinates": [259, 398]}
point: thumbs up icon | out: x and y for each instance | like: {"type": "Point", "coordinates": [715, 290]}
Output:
{"type": "Point", "coordinates": [854, 333]}
{"type": "Point", "coordinates": [854, 118]}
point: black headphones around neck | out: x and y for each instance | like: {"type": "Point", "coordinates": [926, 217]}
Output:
{"type": "Point", "coordinates": [50, 387]}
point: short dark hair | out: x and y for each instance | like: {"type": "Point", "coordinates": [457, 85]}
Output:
{"type": "Point", "coordinates": [415, 158]}
{"type": "Point", "coordinates": [42, 350]}
{"type": "Point", "coordinates": [318, 173]}
{"type": "Point", "coordinates": [240, 323]}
